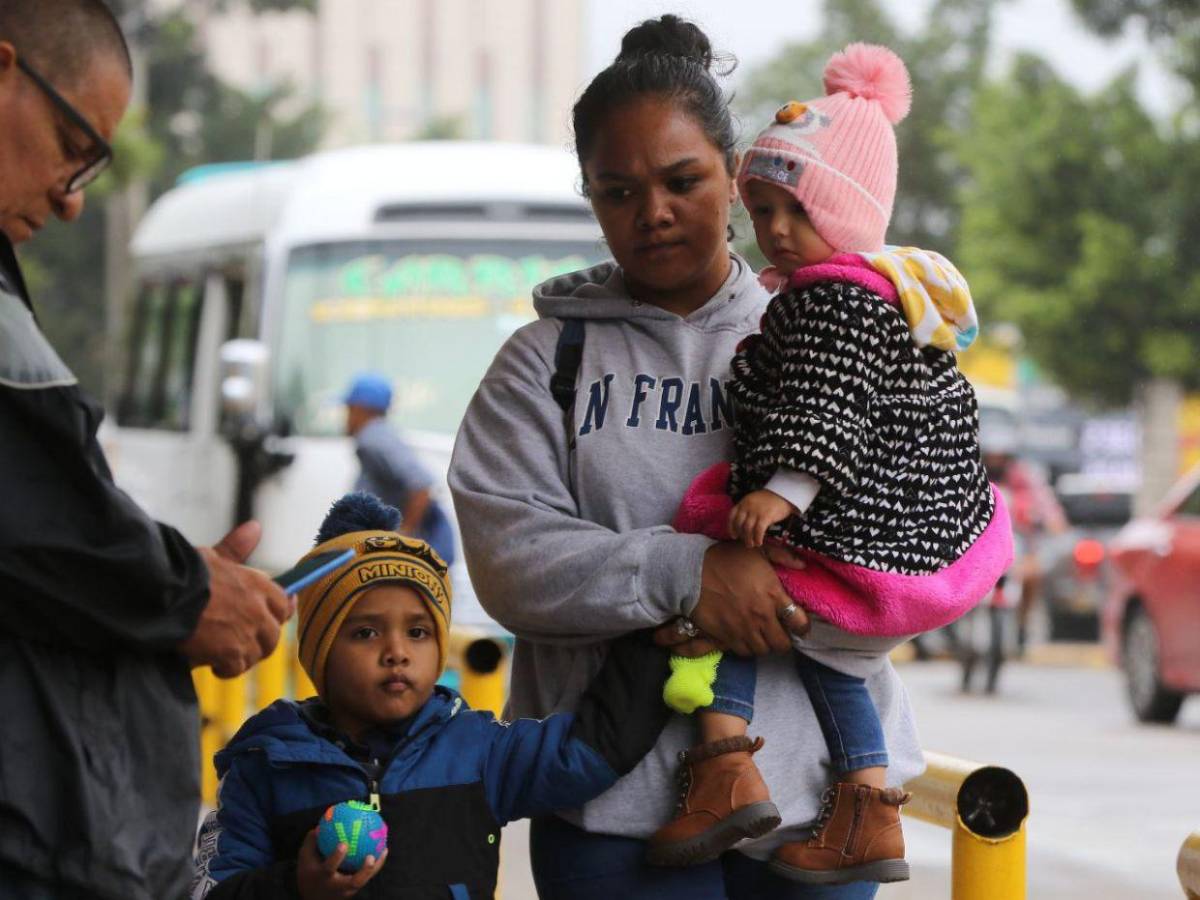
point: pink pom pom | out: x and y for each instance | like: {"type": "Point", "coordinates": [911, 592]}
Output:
{"type": "Point", "coordinates": [872, 72]}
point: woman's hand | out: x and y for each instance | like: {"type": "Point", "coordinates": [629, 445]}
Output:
{"type": "Point", "coordinates": [741, 599]}
{"type": "Point", "coordinates": [319, 879]}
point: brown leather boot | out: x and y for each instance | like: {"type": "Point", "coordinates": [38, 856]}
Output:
{"type": "Point", "coordinates": [858, 838]}
{"type": "Point", "coordinates": [722, 799]}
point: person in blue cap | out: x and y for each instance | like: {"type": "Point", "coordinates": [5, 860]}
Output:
{"type": "Point", "coordinates": [391, 469]}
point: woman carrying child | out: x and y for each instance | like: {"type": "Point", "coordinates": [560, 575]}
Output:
{"type": "Point", "coordinates": [566, 519]}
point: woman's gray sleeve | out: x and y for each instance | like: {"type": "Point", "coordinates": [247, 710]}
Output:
{"type": "Point", "coordinates": [539, 569]}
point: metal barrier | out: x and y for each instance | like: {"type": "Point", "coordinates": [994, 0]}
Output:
{"type": "Point", "coordinates": [475, 657]}
{"type": "Point", "coordinates": [1188, 866]}
{"type": "Point", "coordinates": [985, 808]}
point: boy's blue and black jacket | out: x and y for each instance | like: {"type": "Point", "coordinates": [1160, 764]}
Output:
{"type": "Point", "coordinates": [454, 778]}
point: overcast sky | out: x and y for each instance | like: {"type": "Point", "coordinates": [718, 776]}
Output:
{"type": "Point", "coordinates": [756, 29]}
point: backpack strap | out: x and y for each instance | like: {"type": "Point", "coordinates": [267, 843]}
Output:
{"type": "Point", "coordinates": [568, 355]}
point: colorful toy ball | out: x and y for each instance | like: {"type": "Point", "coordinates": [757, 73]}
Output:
{"type": "Point", "coordinates": [357, 825]}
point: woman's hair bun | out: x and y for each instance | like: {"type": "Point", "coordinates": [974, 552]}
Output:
{"type": "Point", "coordinates": [667, 36]}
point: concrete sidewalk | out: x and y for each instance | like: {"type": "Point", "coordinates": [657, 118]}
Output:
{"type": "Point", "coordinates": [1067, 654]}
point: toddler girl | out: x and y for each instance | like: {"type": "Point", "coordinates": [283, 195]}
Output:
{"type": "Point", "coordinates": [856, 447]}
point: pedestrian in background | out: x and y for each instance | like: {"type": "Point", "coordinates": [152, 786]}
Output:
{"type": "Point", "coordinates": [1037, 516]}
{"type": "Point", "coordinates": [103, 611]}
{"type": "Point", "coordinates": [391, 469]}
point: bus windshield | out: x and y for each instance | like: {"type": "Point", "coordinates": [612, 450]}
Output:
{"type": "Point", "coordinates": [428, 314]}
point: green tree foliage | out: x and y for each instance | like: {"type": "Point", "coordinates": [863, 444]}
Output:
{"type": "Point", "coordinates": [199, 119]}
{"type": "Point", "coordinates": [443, 128]}
{"type": "Point", "coordinates": [1171, 25]}
{"type": "Point", "coordinates": [190, 117]}
{"type": "Point", "coordinates": [1161, 17]}
{"type": "Point", "coordinates": [1068, 232]}
{"type": "Point", "coordinates": [945, 59]}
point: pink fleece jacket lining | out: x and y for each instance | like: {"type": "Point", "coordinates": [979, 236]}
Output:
{"type": "Point", "coordinates": [861, 600]}
{"type": "Point", "coordinates": [846, 267]}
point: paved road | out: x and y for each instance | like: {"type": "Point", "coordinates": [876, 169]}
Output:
{"type": "Point", "coordinates": [1111, 800]}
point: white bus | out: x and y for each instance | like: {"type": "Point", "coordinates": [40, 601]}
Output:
{"type": "Point", "coordinates": [263, 290]}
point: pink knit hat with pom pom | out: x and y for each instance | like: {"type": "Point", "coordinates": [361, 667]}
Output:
{"type": "Point", "coordinates": [837, 154]}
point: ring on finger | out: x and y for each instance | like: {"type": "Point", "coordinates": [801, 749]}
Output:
{"type": "Point", "coordinates": [787, 612]}
{"type": "Point", "coordinates": [687, 628]}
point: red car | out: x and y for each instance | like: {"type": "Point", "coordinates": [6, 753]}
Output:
{"type": "Point", "coordinates": [1151, 621]}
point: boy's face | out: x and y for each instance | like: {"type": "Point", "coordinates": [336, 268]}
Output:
{"type": "Point", "coordinates": [384, 660]}
{"type": "Point", "coordinates": [784, 233]}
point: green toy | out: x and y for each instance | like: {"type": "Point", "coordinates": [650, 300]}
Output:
{"type": "Point", "coordinates": [691, 681]}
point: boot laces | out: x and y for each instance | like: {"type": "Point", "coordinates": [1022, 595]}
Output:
{"type": "Point", "coordinates": [828, 802]}
{"type": "Point", "coordinates": [683, 778]}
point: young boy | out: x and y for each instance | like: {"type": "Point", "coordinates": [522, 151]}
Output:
{"type": "Point", "coordinates": [373, 638]}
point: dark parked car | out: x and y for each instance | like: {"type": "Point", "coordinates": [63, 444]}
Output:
{"type": "Point", "coordinates": [1078, 570]}
{"type": "Point", "coordinates": [1152, 618]}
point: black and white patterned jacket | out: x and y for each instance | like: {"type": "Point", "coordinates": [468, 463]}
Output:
{"type": "Point", "coordinates": [835, 387]}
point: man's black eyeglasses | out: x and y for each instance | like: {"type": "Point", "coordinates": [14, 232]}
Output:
{"type": "Point", "coordinates": [100, 153]}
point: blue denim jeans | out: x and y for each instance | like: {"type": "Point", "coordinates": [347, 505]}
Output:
{"type": "Point", "coordinates": [847, 716]}
{"type": "Point", "coordinates": [845, 711]}
{"type": "Point", "coordinates": [571, 864]}
{"type": "Point", "coordinates": [733, 691]}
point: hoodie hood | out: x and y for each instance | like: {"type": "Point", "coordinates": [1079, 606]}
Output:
{"type": "Point", "coordinates": [600, 293]}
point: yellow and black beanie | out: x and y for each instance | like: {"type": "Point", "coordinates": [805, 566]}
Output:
{"type": "Point", "coordinates": [383, 556]}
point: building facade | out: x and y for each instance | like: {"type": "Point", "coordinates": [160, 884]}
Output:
{"type": "Point", "coordinates": [390, 70]}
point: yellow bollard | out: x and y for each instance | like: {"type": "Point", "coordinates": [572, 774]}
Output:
{"type": "Point", "coordinates": [270, 676]}
{"type": "Point", "coordinates": [210, 743]}
{"type": "Point", "coordinates": [985, 807]}
{"type": "Point", "coordinates": [483, 675]}
{"type": "Point", "coordinates": [210, 733]}
{"type": "Point", "coordinates": [231, 705]}
{"type": "Point", "coordinates": [205, 683]}
{"type": "Point", "coordinates": [302, 686]}
{"type": "Point", "coordinates": [1188, 866]}
{"type": "Point", "coordinates": [987, 868]}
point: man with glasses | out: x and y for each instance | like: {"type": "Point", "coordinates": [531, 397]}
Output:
{"type": "Point", "coordinates": [102, 610]}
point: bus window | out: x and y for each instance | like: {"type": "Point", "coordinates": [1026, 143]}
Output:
{"type": "Point", "coordinates": [179, 356]}
{"type": "Point", "coordinates": [145, 345]}
{"type": "Point", "coordinates": [162, 357]}
{"type": "Point", "coordinates": [430, 314]}
{"type": "Point", "coordinates": [235, 294]}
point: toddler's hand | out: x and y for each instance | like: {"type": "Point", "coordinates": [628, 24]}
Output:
{"type": "Point", "coordinates": [755, 513]}
{"type": "Point", "coordinates": [319, 879]}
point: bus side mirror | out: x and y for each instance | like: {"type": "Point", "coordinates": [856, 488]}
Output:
{"type": "Point", "coordinates": [243, 381]}
{"type": "Point", "coordinates": [244, 366]}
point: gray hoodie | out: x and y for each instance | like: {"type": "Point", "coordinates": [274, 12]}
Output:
{"type": "Point", "coordinates": [565, 528]}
